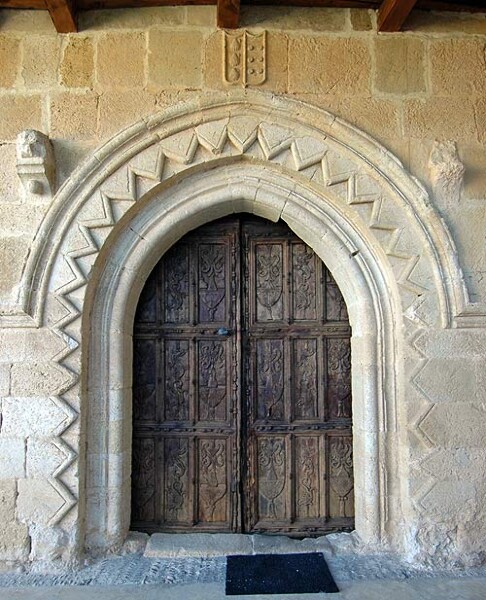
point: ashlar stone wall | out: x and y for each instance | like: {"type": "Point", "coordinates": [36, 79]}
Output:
{"type": "Point", "coordinates": [408, 91]}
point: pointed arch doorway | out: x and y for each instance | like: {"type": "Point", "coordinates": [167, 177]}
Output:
{"type": "Point", "coordinates": [242, 387]}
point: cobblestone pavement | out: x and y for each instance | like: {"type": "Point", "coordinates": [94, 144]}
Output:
{"type": "Point", "coordinates": [363, 577]}
{"type": "Point", "coordinates": [384, 589]}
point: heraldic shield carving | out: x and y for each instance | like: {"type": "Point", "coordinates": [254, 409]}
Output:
{"type": "Point", "coordinates": [244, 58]}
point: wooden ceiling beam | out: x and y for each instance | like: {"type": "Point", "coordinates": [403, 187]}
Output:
{"type": "Point", "coordinates": [228, 12]}
{"type": "Point", "coordinates": [63, 15]}
{"type": "Point", "coordinates": [392, 14]}
{"type": "Point", "coordinates": [82, 5]}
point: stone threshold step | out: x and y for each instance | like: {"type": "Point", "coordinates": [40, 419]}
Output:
{"type": "Point", "coordinates": [207, 545]}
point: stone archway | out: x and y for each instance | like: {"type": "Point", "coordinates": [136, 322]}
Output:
{"type": "Point", "coordinates": [367, 289]}
{"type": "Point", "coordinates": [343, 194]}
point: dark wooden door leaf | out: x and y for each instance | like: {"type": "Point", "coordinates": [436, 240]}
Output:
{"type": "Point", "coordinates": [242, 387]}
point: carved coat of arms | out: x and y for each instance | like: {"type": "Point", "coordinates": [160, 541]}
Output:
{"type": "Point", "coordinates": [244, 58]}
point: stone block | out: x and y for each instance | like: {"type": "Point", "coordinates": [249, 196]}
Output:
{"type": "Point", "coordinates": [465, 464]}
{"type": "Point", "coordinates": [441, 118]}
{"type": "Point", "coordinates": [40, 417]}
{"type": "Point", "coordinates": [376, 116]}
{"type": "Point", "coordinates": [213, 62]}
{"type": "Point", "coordinates": [48, 544]}
{"type": "Point", "coordinates": [175, 59]}
{"type": "Point", "coordinates": [70, 154]}
{"type": "Point", "coordinates": [40, 61]}
{"type": "Point", "coordinates": [9, 183]}
{"type": "Point", "coordinates": [361, 19]}
{"type": "Point", "coordinates": [201, 545]}
{"type": "Point", "coordinates": [452, 343]}
{"type": "Point", "coordinates": [120, 60]}
{"type": "Point", "coordinates": [122, 108]}
{"type": "Point", "coordinates": [19, 345]}
{"type": "Point", "coordinates": [12, 451]}
{"type": "Point", "coordinates": [480, 116]}
{"type": "Point", "coordinates": [27, 21]}
{"type": "Point", "coordinates": [37, 501]}
{"type": "Point", "coordinates": [127, 18]}
{"type": "Point", "coordinates": [8, 494]}
{"type": "Point", "coordinates": [9, 59]}
{"type": "Point", "coordinates": [339, 66]}
{"type": "Point", "coordinates": [44, 457]}
{"type": "Point", "coordinates": [23, 219]}
{"type": "Point", "coordinates": [77, 63]}
{"type": "Point", "coordinates": [19, 112]}
{"type": "Point", "coordinates": [474, 159]}
{"type": "Point", "coordinates": [399, 65]}
{"type": "Point", "coordinates": [446, 497]}
{"type": "Point", "coordinates": [135, 543]}
{"type": "Point", "coordinates": [14, 542]}
{"type": "Point", "coordinates": [39, 379]}
{"type": "Point", "coordinates": [457, 380]}
{"type": "Point", "coordinates": [277, 63]}
{"type": "Point", "coordinates": [457, 67]}
{"type": "Point", "coordinates": [13, 252]}
{"type": "Point", "coordinates": [447, 22]}
{"type": "Point", "coordinates": [288, 18]}
{"type": "Point", "coordinates": [201, 16]}
{"type": "Point", "coordinates": [74, 115]}
{"type": "Point", "coordinates": [267, 544]}
{"type": "Point", "coordinates": [455, 424]}
{"type": "Point", "coordinates": [4, 380]}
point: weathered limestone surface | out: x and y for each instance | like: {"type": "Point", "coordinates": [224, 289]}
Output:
{"type": "Point", "coordinates": [414, 92]}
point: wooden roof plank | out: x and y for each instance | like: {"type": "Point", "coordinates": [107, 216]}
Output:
{"type": "Point", "coordinates": [63, 15]}
{"type": "Point", "coordinates": [228, 14]}
{"type": "Point", "coordinates": [392, 14]}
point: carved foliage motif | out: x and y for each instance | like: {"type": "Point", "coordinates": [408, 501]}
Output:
{"type": "Point", "coordinates": [339, 377]}
{"type": "Point", "coordinates": [176, 282]}
{"type": "Point", "coordinates": [212, 480]}
{"type": "Point", "coordinates": [305, 366]}
{"type": "Point", "coordinates": [269, 281]}
{"type": "Point", "coordinates": [212, 381]}
{"type": "Point", "coordinates": [212, 282]}
{"type": "Point", "coordinates": [307, 473]}
{"type": "Point", "coordinates": [144, 385]}
{"type": "Point", "coordinates": [271, 477]}
{"type": "Point", "coordinates": [270, 382]}
{"type": "Point", "coordinates": [176, 479]}
{"type": "Point", "coordinates": [341, 470]}
{"type": "Point", "coordinates": [177, 380]}
{"type": "Point", "coordinates": [147, 306]}
{"type": "Point", "coordinates": [336, 309]}
{"type": "Point", "coordinates": [143, 475]}
{"type": "Point", "coordinates": [304, 282]}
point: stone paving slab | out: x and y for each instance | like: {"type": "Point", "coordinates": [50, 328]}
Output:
{"type": "Point", "coordinates": [415, 589]}
{"type": "Point", "coordinates": [200, 545]}
{"type": "Point", "coordinates": [209, 545]}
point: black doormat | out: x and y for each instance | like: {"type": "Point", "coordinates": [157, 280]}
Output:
{"type": "Point", "coordinates": [278, 574]}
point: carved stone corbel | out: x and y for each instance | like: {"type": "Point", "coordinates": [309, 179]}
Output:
{"type": "Point", "coordinates": [35, 163]}
{"type": "Point", "coordinates": [446, 173]}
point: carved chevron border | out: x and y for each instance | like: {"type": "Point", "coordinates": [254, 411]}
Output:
{"type": "Point", "coordinates": [317, 159]}
{"type": "Point", "coordinates": [334, 158]}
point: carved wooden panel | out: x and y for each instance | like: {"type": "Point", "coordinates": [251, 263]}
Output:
{"type": "Point", "coordinates": [242, 387]}
{"type": "Point", "coordinates": [298, 381]}
{"type": "Point", "coordinates": [184, 385]}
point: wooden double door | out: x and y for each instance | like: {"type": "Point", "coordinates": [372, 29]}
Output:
{"type": "Point", "coordinates": [242, 387]}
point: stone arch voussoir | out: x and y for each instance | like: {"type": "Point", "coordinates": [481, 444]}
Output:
{"type": "Point", "coordinates": [334, 175]}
